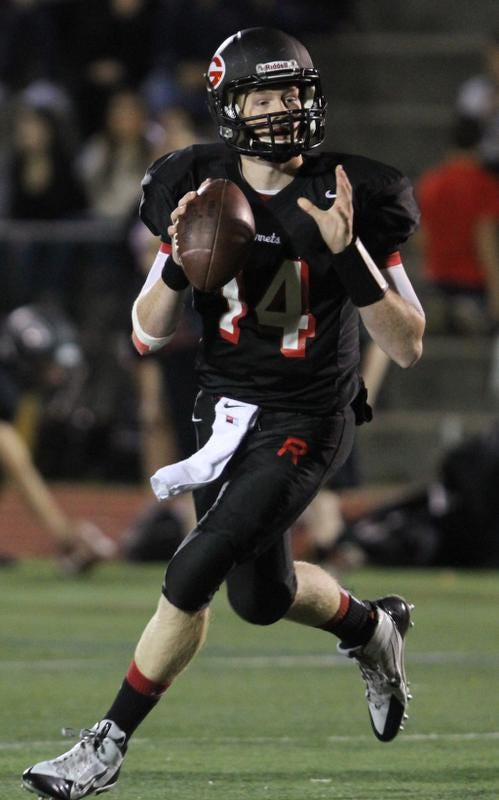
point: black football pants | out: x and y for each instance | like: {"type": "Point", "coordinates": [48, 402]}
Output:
{"type": "Point", "coordinates": [242, 535]}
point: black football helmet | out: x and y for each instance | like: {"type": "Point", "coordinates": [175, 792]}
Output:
{"type": "Point", "coordinates": [258, 58]}
{"type": "Point", "coordinates": [35, 336]}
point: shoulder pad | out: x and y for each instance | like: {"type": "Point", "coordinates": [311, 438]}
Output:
{"type": "Point", "coordinates": [170, 177]}
{"type": "Point", "coordinates": [385, 209]}
{"type": "Point", "coordinates": [385, 206]}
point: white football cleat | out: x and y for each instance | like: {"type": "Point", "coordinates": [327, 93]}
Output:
{"type": "Point", "coordinates": [381, 662]}
{"type": "Point", "coordinates": [92, 766]}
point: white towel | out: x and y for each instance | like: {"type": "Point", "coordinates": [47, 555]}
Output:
{"type": "Point", "coordinates": [233, 419]}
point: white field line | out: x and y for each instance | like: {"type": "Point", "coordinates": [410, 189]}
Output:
{"type": "Point", "coordinates": [318, 661]}
{"type": "Point", "coordinates": [257, 740]}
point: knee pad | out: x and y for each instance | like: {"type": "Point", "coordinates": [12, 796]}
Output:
{"type": "Point", "coordinates": [197, 569]}
{"type": "Point", "coordinates": [261, 606]}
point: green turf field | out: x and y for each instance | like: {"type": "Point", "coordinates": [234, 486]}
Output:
{"type": "Point", "coordinates": [263, 713]}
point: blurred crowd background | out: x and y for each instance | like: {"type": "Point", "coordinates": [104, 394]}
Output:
{"type": "Point", "coordinates": [92, 91]}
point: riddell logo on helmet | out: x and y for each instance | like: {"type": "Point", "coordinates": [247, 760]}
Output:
{"type": "Point", "coordinates": [216, 71]}
{"type": "Point", "coordinates": [276, 66]}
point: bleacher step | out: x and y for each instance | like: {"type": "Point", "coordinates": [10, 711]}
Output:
{"type": "Point", "coordinates": [406, 446]}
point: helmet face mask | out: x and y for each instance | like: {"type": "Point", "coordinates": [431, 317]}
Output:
{"type": "Point", "coordinates": [259, 59]}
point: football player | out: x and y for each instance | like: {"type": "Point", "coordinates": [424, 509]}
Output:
{"type": "Point", "coordinates": [38, 353]}
{"type": "Point", "coordinates": [280, 390]}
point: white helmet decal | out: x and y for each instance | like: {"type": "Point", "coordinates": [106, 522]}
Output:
{"type": "Point", "coordinates": [216, 71]}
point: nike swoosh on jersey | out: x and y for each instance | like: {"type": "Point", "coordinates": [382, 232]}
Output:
{"type": "Point", "coordinates": [330, 195]}
{"type": "Point", "coordinates": [232, 405]}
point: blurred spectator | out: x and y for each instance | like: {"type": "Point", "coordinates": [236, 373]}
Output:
{"type": "Point", "coordinates": [459, 201]}
{"type": "Point", "coordinates": [178, 131]}
{"type": "Point", "coordinates": [113, 161]}
{"type": "Point", "coordinates": [38, 353]}
{"type": "Point", "coordinates": [187, 39]}
{"type": "Point", "coordinates": [108, 44]}
{"type": "Point", "coordinates": [41, 184]}
{"type": "Point", "coordinates": [42, 181]}
{"type": "Point", "coordinates": [30, 47]}
{"type": "Point", "coordinates": [112, 164]}
{"type": "Point", "coordinates": [478, 99]}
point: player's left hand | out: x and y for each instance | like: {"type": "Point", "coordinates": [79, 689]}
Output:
{"type": "Point", "coordinates": [336, 223]}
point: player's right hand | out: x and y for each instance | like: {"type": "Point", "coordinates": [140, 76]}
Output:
{"type": "Point", "coordinates": [172, 228]}
{"type": "Point", "coordinates": [174, 216]}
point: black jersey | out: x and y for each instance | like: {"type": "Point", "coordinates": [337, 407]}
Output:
{"type": "Point", "coordinates": [283, 333]}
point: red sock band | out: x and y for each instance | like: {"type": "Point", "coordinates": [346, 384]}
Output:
{"type": "Point", "coordinates": [142, 684]}
{"type": "Point", "coordinates": [343, 607]}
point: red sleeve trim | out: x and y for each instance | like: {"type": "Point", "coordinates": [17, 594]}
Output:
{"type": "Point", "coordinates": [165, 247]}
{"type": "Point", "coordinates": [393, 260]}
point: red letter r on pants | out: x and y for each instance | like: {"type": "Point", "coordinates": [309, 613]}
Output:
{"type": "Point", "coordinates": [297, 448]}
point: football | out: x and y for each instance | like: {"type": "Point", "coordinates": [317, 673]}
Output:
{"type": "Point", "coordinates": [215, 235]}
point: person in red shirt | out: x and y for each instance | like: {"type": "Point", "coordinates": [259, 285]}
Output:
{"type": "Point", "coordinates": [459, 201]}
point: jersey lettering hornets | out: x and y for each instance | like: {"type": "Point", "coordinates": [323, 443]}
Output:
{"type": "Point", "coordinates": [283, 333]}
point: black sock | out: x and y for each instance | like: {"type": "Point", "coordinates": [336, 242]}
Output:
{"type": "Point", "coordinates": [354, 622]}
{"type": "Point", "coordinates": [135, 699]}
